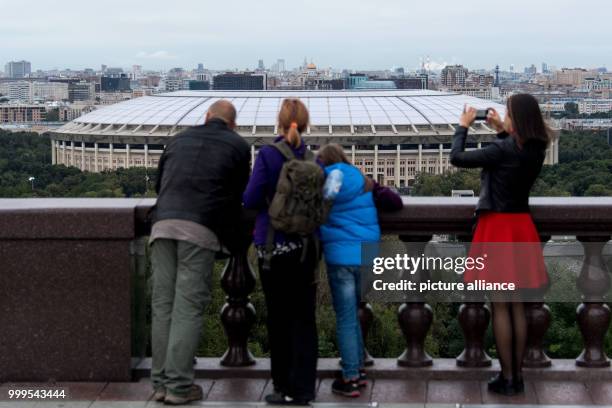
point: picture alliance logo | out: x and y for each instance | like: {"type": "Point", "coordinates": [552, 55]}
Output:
{"type": "Point", "coordinates": [411, 264]}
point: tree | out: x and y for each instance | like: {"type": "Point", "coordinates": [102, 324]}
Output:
{"type": "Point", "coordinates": [571, 108]}
{"type": "Point", "coordinates": [52, 115]}
{"type": "Point", "coordinates": [597, 190]}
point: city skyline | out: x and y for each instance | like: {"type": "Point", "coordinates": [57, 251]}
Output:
{"type": "Point", "coordinates": [342, 35]}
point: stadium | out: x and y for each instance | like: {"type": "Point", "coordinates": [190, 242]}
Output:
{"type": "Point", "coordinates": [390, 134]}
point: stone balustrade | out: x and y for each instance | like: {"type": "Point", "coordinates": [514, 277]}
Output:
{"type": "Point", "coordinates": [72, 286]}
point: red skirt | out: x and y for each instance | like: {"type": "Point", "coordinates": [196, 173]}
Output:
{"type": "Point", "coordinates": [510, 249]}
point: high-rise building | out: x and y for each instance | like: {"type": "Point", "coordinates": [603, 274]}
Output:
{"type": "Point", "coordinates": [20, 91]}
{"type": "Point", "coordinates": [531, 70]}
{"type": "Point", "coordinates": [136, 71]}
{"type": "Point", "coordinates": [496, 84]}
{"type": "Point", "coordinates": [260, 65]}
{"type": "Point", "coordinates": [115, 83]}
{"type": "Point", "coordinates": [81, 91]}
{"type": "Point", "coordinates": [17, 69]}
{"type": "Point", "coordinates": [49, 91]}
{"type": "Point", "coordinates": [199, 85]}
{"type": "Point", "coordinates": [420, 81]}
{"type": "Point", "coordinates": [353, 81]}
{"type": "Point", "coordinates": [171, 84]}
{"type": "Point", "coordinates": [544, 68]}
{"type": "Point", "coordinates": [113, 71]}
{"type": "Point", "coordinates": [202, 75]}
{"type": "Point", "coordinates": [480, 80]}
{"type": "Point", "coordinates": [231, 81]}
{"type": "Point", "coordinates": [572, 76]}
{"type": "Point", "coordinates": [454, 75]}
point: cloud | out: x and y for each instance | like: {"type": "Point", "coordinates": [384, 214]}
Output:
{"type": "Point", "coordinates": [159, 55]}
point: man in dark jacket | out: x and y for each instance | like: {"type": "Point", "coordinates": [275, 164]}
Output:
{"type": "Point", "coordinates": [202, 174]}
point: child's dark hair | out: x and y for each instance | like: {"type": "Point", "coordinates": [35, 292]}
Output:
{"type": "Point", "coordinates": [331, 154]}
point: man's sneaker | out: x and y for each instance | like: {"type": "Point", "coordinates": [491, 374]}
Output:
{"type": "Point", "coordinates": [282, 399]}
{"type": "Point", "coordinates": [159, 394]}
{"type": "Point", "coordinates": [346, 388]}
{"type": "Point", "coordinates": [194, 394]}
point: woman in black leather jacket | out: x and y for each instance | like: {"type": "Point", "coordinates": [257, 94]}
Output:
{"type": "Point", "coordinates": [510, 166]}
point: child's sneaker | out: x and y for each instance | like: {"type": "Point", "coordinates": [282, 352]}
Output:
{"type": "Point", "coordinates": [346, 388]}
{"type": "Point", "coordinates": [363, 379]}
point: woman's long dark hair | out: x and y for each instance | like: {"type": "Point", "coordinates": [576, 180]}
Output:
{"type": "Point", "coordinates": [524, 110]}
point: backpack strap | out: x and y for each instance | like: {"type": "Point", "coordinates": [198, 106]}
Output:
{"type": "Point", "coordinates": [285, 150]}
{"type": "Point", "coordinates": [287, 153]}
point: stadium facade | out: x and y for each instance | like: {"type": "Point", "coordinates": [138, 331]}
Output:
{"type": "Point", "coordinates": [393, 134]}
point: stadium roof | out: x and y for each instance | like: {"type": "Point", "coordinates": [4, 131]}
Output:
{"type": "Point", "coordinates": [261, 108]}
{"type": "Point", "coordinates": [374, 112]}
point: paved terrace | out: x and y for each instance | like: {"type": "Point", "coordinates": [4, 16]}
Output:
{"type": "Point", "coordinates": [391, 393]}
{"type": "Point", "coordinates": [72, 313]}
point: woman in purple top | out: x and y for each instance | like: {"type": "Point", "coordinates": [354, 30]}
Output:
{"type": "Point", "coordinates": [289, 282]}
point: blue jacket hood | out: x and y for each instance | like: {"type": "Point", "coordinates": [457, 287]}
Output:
{"type": "Point", "coordinates": [352, 183]}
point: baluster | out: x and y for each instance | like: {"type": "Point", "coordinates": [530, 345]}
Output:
{"type": "Point", "coordinates": [238, 314]}
{"type": "Point", "coordinates": [415, 317]}
{"type": "Point", "coordinates": [593, 315]}
{"type": "Point", "coordinates": [538, 321]}
{"type": "Point", "coordinates": [366, 316]}
{"type": "Point", "coordinates": [474, 317]}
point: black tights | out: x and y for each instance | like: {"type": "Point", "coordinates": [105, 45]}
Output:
{"type": "Point", "coordinates": [510, 329]}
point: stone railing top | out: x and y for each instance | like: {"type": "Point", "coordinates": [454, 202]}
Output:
{"type": "Point", "coordinates": [68, 218]}
{"type": "Point", "coordinates": [103, 218]}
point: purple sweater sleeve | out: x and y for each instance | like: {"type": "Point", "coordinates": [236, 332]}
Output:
{"type": "Point", "coordinates": [386, 199]}
{"type": "Point", "coordinates": [254, 196]}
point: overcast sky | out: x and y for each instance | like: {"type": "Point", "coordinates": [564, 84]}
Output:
{"type": "Point", "coordinates": [338, 33]}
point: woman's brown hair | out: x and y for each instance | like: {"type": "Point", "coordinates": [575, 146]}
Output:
{"type": "Point", "coordinates": [524, 110]}
{"type": "Point", "coordinates": [293, 120]}
{"type": "Point", "coordinates": [332, 154]}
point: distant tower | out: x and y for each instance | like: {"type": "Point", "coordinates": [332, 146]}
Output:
{"type": "Point", "coordinates": [497, 76]}
{"type": "Point", "coordinates": [200, 67]}
{"type": "Point", "coordinates": [260, 65]}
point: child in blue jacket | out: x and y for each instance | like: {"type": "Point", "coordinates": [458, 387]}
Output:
{"type": "Point", "coordinates": [352, 220]}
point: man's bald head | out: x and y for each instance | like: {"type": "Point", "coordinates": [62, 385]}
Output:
{"type": "Point", "coordinates": [223, 110]}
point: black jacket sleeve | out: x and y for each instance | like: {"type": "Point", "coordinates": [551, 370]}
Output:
{"type": "Point", "coordinates": [485, 157]}
{"type": "Point", "coordinates": [502, 135]}
{"type": "Point", "coordinates": [160, 171]}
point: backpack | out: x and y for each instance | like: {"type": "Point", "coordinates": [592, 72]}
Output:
{"type": "Point", "coordinates": [297, 207]}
